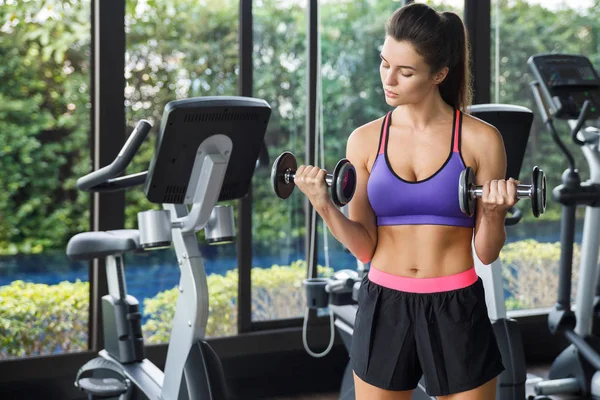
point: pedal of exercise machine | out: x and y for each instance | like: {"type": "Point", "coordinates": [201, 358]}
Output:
{"type": "Point", "coordinates": [102, 379]}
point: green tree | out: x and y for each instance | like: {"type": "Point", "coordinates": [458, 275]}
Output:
{"type": "Point", "coordinates": [44, 120]}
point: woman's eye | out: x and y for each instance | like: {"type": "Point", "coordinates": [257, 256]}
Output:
{"type": "Point", "coordinates": [407, 76]}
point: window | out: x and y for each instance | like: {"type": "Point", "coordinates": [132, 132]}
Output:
{"type": "Point", "coordinates": [519, 30]}
{"type": "Point", "coordinates": [191, 52]}
{"type": "Point", "coordinates": [44, 120]}
{"type": "Point", "coordinates": [278, 226]}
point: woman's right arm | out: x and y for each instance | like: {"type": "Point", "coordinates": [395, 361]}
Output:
{"type": "Point", "coordinates": [358, 232]}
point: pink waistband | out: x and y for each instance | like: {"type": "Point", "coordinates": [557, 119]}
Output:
{"type": "Point", "coordinates": [423, 285]}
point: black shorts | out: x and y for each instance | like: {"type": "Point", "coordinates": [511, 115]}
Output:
{"type": "Point", "coordinates": [445, 337]}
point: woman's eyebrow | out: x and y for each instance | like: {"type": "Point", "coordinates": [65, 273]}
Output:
{"type": "Point", "coordinates": [399, 66]}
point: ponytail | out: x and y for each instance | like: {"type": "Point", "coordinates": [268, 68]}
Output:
{"type": "Point", "coordinates": [456, 89]}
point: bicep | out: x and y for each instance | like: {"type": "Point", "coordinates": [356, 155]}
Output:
{"type": "Point", "coordinates": [359, 208]}
{"type": "Point", "coordinates": [491, 165]}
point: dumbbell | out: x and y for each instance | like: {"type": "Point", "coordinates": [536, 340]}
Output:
{"type": "Point", "coordinates": [468, 191]}
{"type": "Point", "coordinates": [342, 181]}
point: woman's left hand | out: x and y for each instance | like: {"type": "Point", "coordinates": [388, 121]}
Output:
{"type": "Point", "coordinates": [498, 196]}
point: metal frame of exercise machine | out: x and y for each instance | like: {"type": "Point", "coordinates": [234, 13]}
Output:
{"type": "Point", "coordinates": [568, 87]}
{"type": "Point", "coordinates": [206, 151]}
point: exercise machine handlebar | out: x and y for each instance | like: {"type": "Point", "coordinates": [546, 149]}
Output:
{"type": "Point", "coordinates": [106, 179]}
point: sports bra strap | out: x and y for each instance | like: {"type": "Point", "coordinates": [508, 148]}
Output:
{"type": "Point", "coordinates": [457, 129]}
{"type": "Point", "coordinates": [384, 133]}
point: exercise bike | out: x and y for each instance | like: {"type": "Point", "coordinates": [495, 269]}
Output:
{"type": "Point", "coordinates": [567, 87]}
{"type": "Point", "coordinates": [340, 293]}
{"type": "Point", "coordinates": [206, 151]}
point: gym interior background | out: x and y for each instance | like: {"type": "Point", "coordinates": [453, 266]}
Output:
{"type": "Point", "coordinates": [77, 75]}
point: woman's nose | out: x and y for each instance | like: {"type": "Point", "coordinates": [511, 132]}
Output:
{"type": "Point", "coordinates": [389, 79]}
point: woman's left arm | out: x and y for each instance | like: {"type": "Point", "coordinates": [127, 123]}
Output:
{"type": "Point", "coordinates": [498, 195]}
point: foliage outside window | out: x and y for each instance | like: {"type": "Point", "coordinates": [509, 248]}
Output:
{"type": "Point", "coordinates": [44, 125]}
{"type": "Point", "coordinates": [280, 77]}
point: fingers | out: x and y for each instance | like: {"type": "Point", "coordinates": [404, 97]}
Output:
{"type": "Point", "coordinates": [322, 174]}
{"type": "Point", "coordinates": [493, 193]}
{"type": "Point", "coordinates": [312, 174]}
{"type": "Point", "coordinates": [511, 189]}
{"type": "Point", "coordinates": [303, 173]}
{"type": "Point", "coordinates": [486, 191]}
{"type": "Point", "coordinates": [308, 174]}
{"type": "Point", "coordinates": [500, 192]}
{"type": "Point", "coordinates": [299, 172]}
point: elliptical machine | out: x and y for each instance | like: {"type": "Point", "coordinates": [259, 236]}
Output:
{"type": "Point", "coordinates": [206, 151]}
{"type": "Point", "coordinates": [340, 293]}
{"type": "Point", "coordinates": [567, 87]}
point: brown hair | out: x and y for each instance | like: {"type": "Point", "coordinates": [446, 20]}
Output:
{"type": "Point", "coordinates": [441, 39]}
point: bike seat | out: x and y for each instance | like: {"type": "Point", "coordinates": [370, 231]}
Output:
{"type": "Point", "coordinates": [90, 245]}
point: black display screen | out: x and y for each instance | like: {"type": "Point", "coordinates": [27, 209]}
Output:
{"type": "Point", "coordinates": [566, 82]}
{"type": "Point", "coordinates": [568, 71]}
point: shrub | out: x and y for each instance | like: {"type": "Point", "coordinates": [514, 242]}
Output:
{"type": "Point", "coordinates": [38, 319]}
{"type": "Point", "coordinates": [530, 271]}
{"type": "Point", "coordinates": [277, 292]}
{"type": "Point", "coordinates": [222, 315]}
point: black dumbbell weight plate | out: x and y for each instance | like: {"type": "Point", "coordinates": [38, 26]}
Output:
{"type": "Point", "coordinates": [538, 192]}
{"type": "Point", "coordinates": [465, 182]}
{"type": "Point", "coordinates": [286, 161]}
{"type": "Point", "coordinates": [343, 184]}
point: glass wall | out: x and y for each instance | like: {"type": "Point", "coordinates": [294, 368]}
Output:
{"type": "Point", "coordinates": [519, 30]}
{"type": "Point", "coordinates": [280, 78]}
{"type": "Point", "coordinates": [44, 147]}
{"type": "Point", "coordinates": [176, 51]}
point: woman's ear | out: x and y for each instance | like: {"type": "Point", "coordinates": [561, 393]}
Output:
{"type": "Point", "coordinates": [439, 76]}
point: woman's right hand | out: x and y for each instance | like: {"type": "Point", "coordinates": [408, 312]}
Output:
{"type": "Point", "coordinates": [311, 181]}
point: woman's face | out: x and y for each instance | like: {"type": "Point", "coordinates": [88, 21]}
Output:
{"type": "Point", "coordinates": [406, 77]}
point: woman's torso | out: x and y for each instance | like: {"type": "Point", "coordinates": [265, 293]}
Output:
{"type": "Point", "coordinates": [413, 189]}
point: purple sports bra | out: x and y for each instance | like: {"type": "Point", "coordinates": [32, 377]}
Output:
{"type": "Point", "coordinates": [431, 201]}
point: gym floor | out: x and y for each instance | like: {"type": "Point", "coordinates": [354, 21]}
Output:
{"type": "Point", "coordinates": [541, 371]}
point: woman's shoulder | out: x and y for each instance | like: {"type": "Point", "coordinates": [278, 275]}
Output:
{"type": "Point", "coordinates": [478, 129]}
{"type": "Point", "coordinates": [368, 131]}
{"type": "Point", "coordinates": [479, 137]}
{"type": "Point", "coordinates": [365, 138]}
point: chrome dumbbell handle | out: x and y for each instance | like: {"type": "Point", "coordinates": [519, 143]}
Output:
{"type": "Point", "coordinates": [290, 174]}
{"type": "Point", "coordinates": [523, 191]}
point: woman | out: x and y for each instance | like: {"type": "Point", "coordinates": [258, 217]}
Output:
{"type": "Point", "coordinates": [421, 309]}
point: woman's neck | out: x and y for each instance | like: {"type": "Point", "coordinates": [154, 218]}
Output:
{"type": "Point", "coordinates": [420, 115]}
